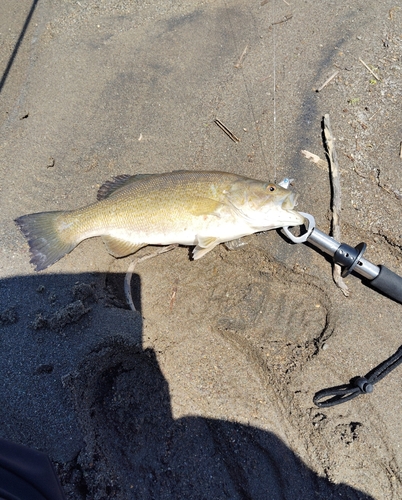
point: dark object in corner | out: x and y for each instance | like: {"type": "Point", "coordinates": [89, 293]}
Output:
{"type": "Point", "coordinates": [27, 474]}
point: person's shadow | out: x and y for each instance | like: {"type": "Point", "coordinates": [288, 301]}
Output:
{"type": "Point", "coordinates": [130, 445]}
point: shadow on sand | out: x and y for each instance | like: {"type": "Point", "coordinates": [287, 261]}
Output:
{"type": "Point", "coordinates": [77, 384]}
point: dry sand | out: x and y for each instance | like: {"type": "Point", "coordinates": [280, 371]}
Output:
{"type": "Point", "coordinates": [206, 393]}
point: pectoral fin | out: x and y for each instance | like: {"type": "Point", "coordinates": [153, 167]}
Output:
{"type": "Point", "coordinates": [121, 248]}
{"type": "Point", "coordinates": [205, 206]}
{"type": "Point", "coordinates": [205, 245]}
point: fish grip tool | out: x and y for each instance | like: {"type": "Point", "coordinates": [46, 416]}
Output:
{"type": "Point", "coordinates": [380, 278]}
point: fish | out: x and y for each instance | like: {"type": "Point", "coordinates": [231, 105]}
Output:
{"type": "Point", "coordinates": [199, 208]}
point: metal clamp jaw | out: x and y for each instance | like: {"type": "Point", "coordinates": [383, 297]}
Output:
{"type": "Point", "coordinates": [304, 237]}
{"type": "Point", "coordinates": [351, 259]}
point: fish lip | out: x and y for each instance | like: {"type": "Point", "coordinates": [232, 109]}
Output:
{"type": "Point", "coordinates": [301, 219]}
{"type": "Point", "coordinates": [289, 201]}
{"type": "Point", "coordinates": [288, 204]}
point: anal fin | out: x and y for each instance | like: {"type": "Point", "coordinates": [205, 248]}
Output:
{"type": "Point", "coordinates": [121, 248]}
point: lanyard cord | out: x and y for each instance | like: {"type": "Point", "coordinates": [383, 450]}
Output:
{"type": "Point", "coordinates": [380, 278]}
{"type": "Point", "coordinates": [357, 385]}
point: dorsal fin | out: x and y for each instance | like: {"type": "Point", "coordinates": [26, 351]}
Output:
{"type": "Point", "coordinates": [110, 187]}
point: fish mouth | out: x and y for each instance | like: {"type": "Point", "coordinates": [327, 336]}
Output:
{"type": "Point", "coordinates": [289, 201]}
{"type": "Point", "coordinates": [288, 204]}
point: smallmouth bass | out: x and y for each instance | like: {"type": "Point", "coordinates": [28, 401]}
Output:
{"type": "Point", "coordinates": [202, 208]}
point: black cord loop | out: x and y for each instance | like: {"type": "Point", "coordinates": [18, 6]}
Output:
{"type": "Point", "coordinates": [357, 385]}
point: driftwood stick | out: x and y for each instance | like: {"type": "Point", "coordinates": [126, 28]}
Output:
{"type": "Point", "coordinates": [336, 198]}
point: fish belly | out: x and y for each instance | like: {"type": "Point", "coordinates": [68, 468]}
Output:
{"type": "Point", "coordinates": [182, 233]}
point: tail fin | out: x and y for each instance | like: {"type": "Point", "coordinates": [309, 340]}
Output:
{"type": "Point", "coordinates": [46, 243]}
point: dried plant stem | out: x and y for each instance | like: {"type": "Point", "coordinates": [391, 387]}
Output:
{"type": "Point", "coordinates": [371, 71]}
{"type": "Point", "coordinates": [132, 266]}
{"type": "Point", "coordinates": [286, 18]}
{"type": "Point", "coordinates": [327, 81]}
{"type": "Point", "coordinates": [241, 58]}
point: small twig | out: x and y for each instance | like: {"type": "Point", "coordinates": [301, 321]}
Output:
{"type": "Point", "coordinates": [286, 18]}
{"type": "Point", "coordinates": [327, 81]}
{"type": "Point", "coordinates": [315, 159]}
{"type": "Point", "coordinates": [130, 270]}
{"type": "Point", "coordinates": [336, 199]}
{"type": "Point", "coordinates": [371, 71]}
{"type": "Point", "coordinates": [373, 115]}
{"type": "Point", "coordinates": [391, 190]}
{"type": "Point", "coordinates": [173, 296]}
{"type": "Point", "coordinates": [226, 130]}
{"type": "Point", "coordinates": [400, 150]}
{"type": "Point", "coordinates": [241, 58]}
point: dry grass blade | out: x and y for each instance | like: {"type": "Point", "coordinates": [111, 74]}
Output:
{"type": "Point", "coordinates": [371, 71]}
{"type": "Point", "coordinates": [286, 18]}
{"type": "Point", "coordinates": [241, 58]}
{"type": "Point", "coordinates": [327, 81]}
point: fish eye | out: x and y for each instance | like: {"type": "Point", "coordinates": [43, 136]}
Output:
{"type": "Point", "coordinates": [271, 188]}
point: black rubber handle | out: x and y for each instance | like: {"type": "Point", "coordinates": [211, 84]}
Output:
{"type": "Point", "coordinates": [389, 283]}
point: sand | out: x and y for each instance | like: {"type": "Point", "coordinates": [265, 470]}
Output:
{"type": "Point", "coordinates": [206, 392]}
